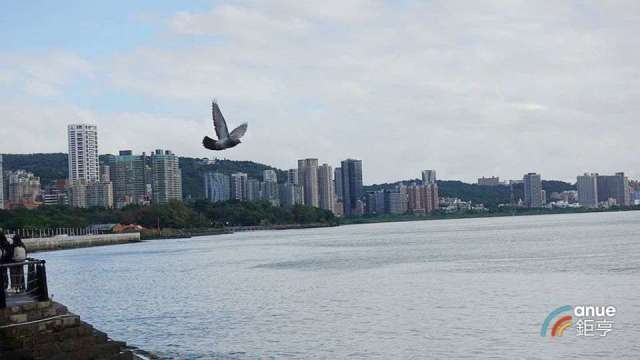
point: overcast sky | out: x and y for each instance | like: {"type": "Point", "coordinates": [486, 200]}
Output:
{"type": "Point", "coordinates": [469, 88]}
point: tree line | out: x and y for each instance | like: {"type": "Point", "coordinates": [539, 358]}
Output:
{"type": "Point", "coordinates": [177, 215]}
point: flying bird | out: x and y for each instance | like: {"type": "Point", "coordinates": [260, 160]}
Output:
{"type": "Point", "coordinates": [226, 139]}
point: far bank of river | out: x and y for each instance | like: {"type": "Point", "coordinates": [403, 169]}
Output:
{"type": "Point", "coordinates": [152, 234]}
{"type": "Point", "coordinates": [371, 219]}
{"type": "Point", "coordinates": [68, 242]}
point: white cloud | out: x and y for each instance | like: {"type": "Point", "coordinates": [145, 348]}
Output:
{"type": "Point", "coordinates": [470, 89]}
{"type": "Point", "coordinates": [45, 127]}
{"type": "Point", "coordinates": [41, 73]}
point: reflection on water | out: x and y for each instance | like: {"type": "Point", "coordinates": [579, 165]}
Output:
{"type": "Point", "coordinates": [472, 288]}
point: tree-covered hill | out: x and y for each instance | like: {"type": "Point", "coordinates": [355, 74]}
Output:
{"type": "Point", "coordinates": [48, 167]}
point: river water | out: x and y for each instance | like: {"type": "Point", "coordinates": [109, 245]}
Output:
{"type": "Point", "coordinates": [459, 289]}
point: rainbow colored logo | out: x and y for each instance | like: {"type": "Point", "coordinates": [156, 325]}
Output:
{"type": "Point", "coordinates": [561, 324]}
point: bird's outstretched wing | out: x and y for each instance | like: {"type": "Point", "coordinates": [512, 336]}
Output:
{"type": "Point", "coordinates": [238, 132]}
{"type": "Point", "coordinates": [218, 121]}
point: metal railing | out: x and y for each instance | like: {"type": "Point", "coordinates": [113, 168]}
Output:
{"type": "Point", "coordinates": [23, 282]}
{"type": "Point", "coordinates": [28, 233]}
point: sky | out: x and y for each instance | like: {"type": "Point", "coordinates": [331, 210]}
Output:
{"type": "Point", "coordinates": [468, 88]}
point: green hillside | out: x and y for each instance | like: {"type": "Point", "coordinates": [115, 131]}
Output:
{"type": "Point", "coordinates": [48, 167]}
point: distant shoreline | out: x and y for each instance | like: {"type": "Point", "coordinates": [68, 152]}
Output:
{"type": "Point", "coordinates": [166, 234]}
{"type": "Point", "coordinates": [474, 215]}
{"type": "Point", "coordinates": [385, 219]}
{"type": "Point", "coordinates": [189, 233]}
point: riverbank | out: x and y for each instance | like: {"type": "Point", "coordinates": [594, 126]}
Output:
{"type": "Point", "coordinates": [152, 234]}
{"type": "Point", "coordinates": [70, 242]}
{"type": "Point", "coordinates": [471, 215]}
{"type": "Point", "coordinates": [62, 242]}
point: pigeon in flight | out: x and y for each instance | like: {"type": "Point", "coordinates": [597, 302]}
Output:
{"type": "Point", "coordinates": [225, 140]}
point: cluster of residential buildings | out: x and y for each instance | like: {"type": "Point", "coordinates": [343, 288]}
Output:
{"type": "Point", "coordinates": [596, 190]}
{"type": "Point", "coordinates": [22, 187]}
{"type": "Point", "coordinates": [337, 190]}
{"type": "Point", "coordinates": [417, 198]}
{"type": "Point", "coordinates": [118, 181]}
{"type": "Point", "coordinates": [156, 178]}
{"type": "Point", "coordinates": [221, 187]}
{"type": "Point", "coordinates": [593, 191]}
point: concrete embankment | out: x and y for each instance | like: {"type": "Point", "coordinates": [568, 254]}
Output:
{"type": "Point", "coordinates": [71, 242]}
{"type": "Point", "coordinates": [47, 330]}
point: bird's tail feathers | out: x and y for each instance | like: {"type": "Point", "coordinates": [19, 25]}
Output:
{"type": "Point", "coordinates": [209, 143]}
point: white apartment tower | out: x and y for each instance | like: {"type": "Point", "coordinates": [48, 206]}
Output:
{"type": "Point", "coordinates": [308, 179]}
{"type": "Point", "coordinates": [588, 190]}
{"type": "Point", "coordinates": [325, 187]}
{"type": "Point", "coordinates": [83, 153]}
{"type": "Point", "coordinates": [166, 177]}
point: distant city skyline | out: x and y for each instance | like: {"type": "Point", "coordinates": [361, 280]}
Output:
{"type": "Point", "coordinates": [489, 89]}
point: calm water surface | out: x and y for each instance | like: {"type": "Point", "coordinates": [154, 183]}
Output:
{"type": "Point", "coordinates": [463, 289]}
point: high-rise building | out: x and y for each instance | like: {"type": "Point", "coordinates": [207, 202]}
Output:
{"type": "Point", "coordinates": [351, 185]}
{"type": "Point", "coordinates": [308, 178]}
{"type": "Point", "coordinates": [77, 194]}
{"type": "Point", "coordinates": [166, 177]}
{"type": "Point", "coordinates": [396, 201]}
{"type": "Point", "coordinates": [83, 152]}
{"type": "Point", "coordinates": [428, 177]}
{"type": "Point", "coordinates": [269, 189]}
{"type": "Point", "coordinates": [269, 175]}
{"type": "Point", "coordinates": [128, 173]}
{"type": "Point", "coordinates": [290, 194]}
{"type": "Point", "coordinates": [217, 186]}
{"type": "Point", "coordinates": [415, 198]}
{"type": "Point", "coordinates": [253, 190]}
{"type": "Point", "coordinates": [292, 176]}
{"type": "Point", "coordinates": [430, 192]}
{"type": "Point", "coordinates": [239, 186]}
{"type": "Point", "coordinates": [23, 189]}
{"type": "Point", "coordinates": [533, 190]}
{"type": "Point", "coordinates": [1, 184]}
{"type": "Point", "coordinates": [422, 199]}
{"type": "Point", "coordinates": [375, 202]}
{"type": "Point", "coordinates": [325, 187]}
{"type": "Point", "coordinates": [614, 187]}
{"type": "Point", "coordinates": [337, 183]}
{"type": "Point", "coordinates": [588, 190]}
{"type": "Point", "coordinates": [489, 181]}
{"type": "Point", "coordinates": [431, 197]}
{"type": "Point", "coordinates": [99, 194]}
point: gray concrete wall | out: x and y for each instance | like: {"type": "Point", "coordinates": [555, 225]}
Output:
{"type": "Point", "coordinates": [70, 242]}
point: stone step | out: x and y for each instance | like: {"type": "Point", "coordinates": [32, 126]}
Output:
{"type": "Point", "coordinates": [31, 312]}
{"type": "Point", "coordinates": [47, 330]}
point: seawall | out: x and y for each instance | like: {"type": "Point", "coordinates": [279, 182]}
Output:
{"type": "Point", "coordinates": [72, 242]}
